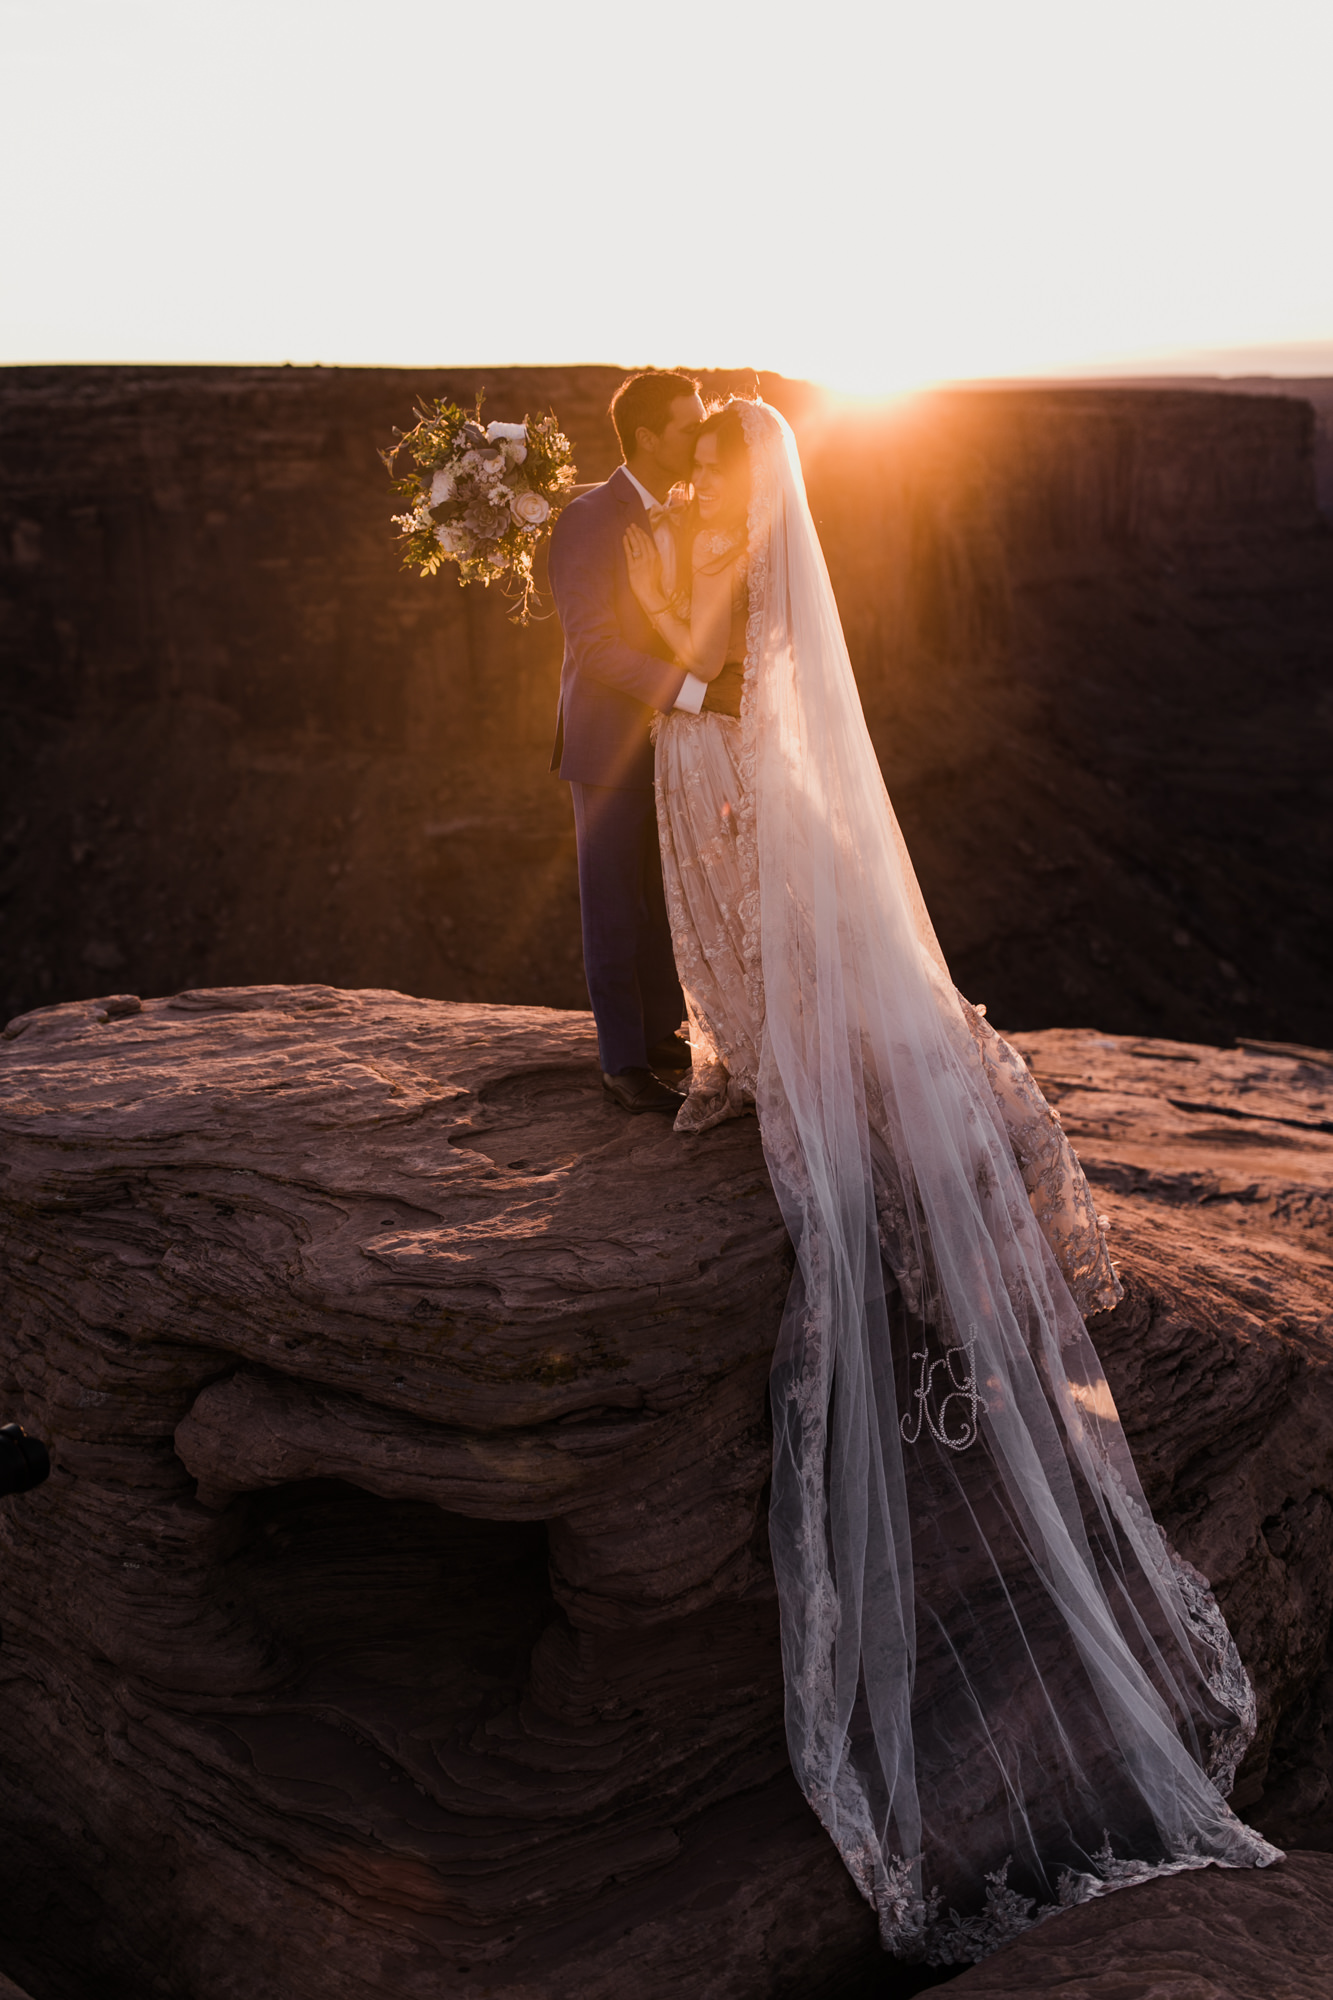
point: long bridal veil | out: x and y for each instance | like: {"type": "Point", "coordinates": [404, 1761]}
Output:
{"type": "Point", "coordinates": [1004, 1690]}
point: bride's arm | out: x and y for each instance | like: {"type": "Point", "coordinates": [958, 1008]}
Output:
{"type": "Point", "coordinates": [700, 645]}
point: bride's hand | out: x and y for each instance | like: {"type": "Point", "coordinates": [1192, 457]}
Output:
{"type": "Point", "coordinates": [645, 570]}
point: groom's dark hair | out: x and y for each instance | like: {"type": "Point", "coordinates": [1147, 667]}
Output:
{"type": "Point", "coordinates": [646, 399]}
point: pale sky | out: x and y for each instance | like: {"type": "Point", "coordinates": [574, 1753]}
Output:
{"type": "Point", "coordinates": [872, 195]}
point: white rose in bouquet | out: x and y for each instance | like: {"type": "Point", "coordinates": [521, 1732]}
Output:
{"type": "Point", "coordinates": [512, 440]}
{"type": "Point", "coordinates": [471, 473]}
{"type": "Point", "coordinates": [529, 509]}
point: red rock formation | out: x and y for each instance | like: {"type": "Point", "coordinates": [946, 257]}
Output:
{"type": "Point", "coordinates": [1211, 1935]}
{"type": "Point", "coordinates": [398, 1616]}
{"type": "Point", "coordinates": [1090, 627]}
{"type": "Point", "coordinates": [1316, 390]}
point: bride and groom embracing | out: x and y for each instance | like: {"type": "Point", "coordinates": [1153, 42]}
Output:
{"type": "Point", "coordinates": [1005, 1691]}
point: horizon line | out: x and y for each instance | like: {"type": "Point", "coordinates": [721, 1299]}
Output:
{"type": "Point", "coordinates": [1277, 360]}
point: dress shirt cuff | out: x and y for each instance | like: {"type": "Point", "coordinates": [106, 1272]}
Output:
{"type": "Point", "coordinates": [691, 696]}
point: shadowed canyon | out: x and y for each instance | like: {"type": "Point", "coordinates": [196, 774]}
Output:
{"type": "Point", "coordinates": [1091, 628]}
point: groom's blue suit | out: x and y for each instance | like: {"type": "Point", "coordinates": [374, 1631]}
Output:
{"type": "Point", "coordinates": [617, 673]}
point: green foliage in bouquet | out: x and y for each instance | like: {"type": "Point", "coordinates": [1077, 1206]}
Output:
{"type": "Point", "coordinates": [483, 496]}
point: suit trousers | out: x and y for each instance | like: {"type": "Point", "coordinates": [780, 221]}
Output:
{"type": "Point", "coordinates": [627, 958]}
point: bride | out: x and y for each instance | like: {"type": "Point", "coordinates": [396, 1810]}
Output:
{"type": "Point", "coordinates": [1005, 1691]}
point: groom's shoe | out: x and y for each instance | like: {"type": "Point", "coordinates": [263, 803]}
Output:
{"type": "Point", "coordinates": [639, 1090]}
{"type": "Point", "coordinates": [670, 1056]}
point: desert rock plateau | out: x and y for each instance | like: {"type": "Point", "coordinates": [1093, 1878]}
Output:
{"type": "Point", "coordinates": [398, 1616]}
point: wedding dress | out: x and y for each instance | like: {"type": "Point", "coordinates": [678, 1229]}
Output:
{"type": "Point", "coordinates": [1005, 1691]}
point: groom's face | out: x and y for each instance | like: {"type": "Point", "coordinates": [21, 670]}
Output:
{"type": "Point", "coordinates": [675, 444]}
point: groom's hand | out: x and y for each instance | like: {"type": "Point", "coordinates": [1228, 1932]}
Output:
{"type": "Point", "coordinates": [724, 693]}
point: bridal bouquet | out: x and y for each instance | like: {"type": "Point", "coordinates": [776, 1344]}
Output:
{"type": "Point", "coordinates": [482, 495]}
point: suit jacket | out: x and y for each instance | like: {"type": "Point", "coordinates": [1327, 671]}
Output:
{"type": "Point", "coordinates": [617, 672]}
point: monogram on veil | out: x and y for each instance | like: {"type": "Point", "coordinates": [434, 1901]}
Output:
{"type": "Point", "coordinates": [951, 1483]}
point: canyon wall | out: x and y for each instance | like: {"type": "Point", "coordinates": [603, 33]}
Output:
{"type": "Point", "coordinates": [1091, 627]}
{"type": "Point", "coordinates": [1316, 390]}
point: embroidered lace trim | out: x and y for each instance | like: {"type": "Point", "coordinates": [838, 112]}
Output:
{"type": "Point", "coordinates": [706, 804]}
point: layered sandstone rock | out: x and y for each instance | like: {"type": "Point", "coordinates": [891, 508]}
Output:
{"type": "Point", "coordinates": [398, 1616]}
{"type": "Point", "coordinates": [1090, 627]}
{"type": "Point", "coordinates": [1210, 1935]}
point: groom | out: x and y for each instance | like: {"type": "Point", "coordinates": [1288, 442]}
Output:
{"type": "Point", "coordinates": [617, 675]}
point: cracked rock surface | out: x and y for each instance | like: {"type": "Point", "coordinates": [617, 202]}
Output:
{"type": "Point", "coordinates": [398, 1617]}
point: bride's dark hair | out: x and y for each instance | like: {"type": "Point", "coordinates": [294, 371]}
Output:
{"type": "Point", "coordinates": [724, 423]}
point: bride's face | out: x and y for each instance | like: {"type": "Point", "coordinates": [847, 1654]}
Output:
{"type": "Point", "coordinates": [717, 492]}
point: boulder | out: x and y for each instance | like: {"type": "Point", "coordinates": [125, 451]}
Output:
{"type": "Point", "coordinates": [398, 1615]}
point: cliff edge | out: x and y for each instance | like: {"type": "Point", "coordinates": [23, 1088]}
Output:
{"type": "Point", "coordinates": [399, 1608]}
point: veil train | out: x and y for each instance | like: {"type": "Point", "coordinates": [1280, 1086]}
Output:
{"type": "Point", "coordinates": [1005, 1692]}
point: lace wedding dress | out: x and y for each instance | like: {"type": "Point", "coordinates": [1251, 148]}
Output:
{"type": "Point", "coordinates": [1005, 1691]}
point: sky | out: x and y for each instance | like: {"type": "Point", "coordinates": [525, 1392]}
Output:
{"type": "Point", "coordinates": [868, 193]}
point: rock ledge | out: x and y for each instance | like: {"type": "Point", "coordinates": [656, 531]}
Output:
{"type": "Point", "coordinates": [399, 1609]}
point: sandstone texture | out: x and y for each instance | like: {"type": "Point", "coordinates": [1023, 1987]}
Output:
{"type": "Point", "coordinates": [398, 1619]}
{"type": "Point", "coordinates": [1210, 1935]}
{"type": "Point", "coordinates": [239, 744]}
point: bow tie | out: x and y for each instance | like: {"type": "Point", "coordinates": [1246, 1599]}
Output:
{"type": "Point", "coordinates": [657, 515]}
